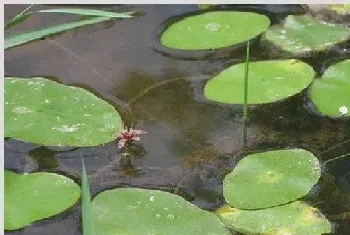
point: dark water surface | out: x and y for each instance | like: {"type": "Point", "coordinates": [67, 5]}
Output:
{"type": "Point", "coordinates": [190, 143]}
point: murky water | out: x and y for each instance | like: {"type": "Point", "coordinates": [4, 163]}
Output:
{"type": "Point", "coordinates": [190, 143]}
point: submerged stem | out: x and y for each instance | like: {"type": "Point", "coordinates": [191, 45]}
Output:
{"type": "Point", "coordinates": [149, 88]}
{"type": "Point", "coordinates": [336, 158]}
{"type": "Point", "coordinates": [336, 146]}
{"type": "Point", "coordinates": [341, 216]}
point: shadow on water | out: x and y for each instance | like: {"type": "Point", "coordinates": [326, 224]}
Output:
{"type": "Point", "coordinates": [191, 144]}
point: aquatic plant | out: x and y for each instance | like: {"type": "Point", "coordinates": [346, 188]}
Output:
{"type": "Point", "coordinates": [269, 179]}
{"type": "Point", "coordinates": [301, 33]}
{"type": "Point", "coordinates": [87, 217]}
{"type": "Point", "coordinates": [36, 196]}
{"type": "Point", "coordinates": [20, 17]}
{"type": "Point", "coordinates": [137, 211]}
{"type": "Point", "coordinates": [330, 92]}
{"type": "Point", "coordinates": [129, 135]}
{"type": "Point", "coordinates": [69, 116]}
{"type": "Point", "coordinates": [213, 30]}
{"type": "Point", "coordinates": [246, 77]}
{"type": "Point", "coordinates": [295, 218]}
{"type": "Point", "coordinates": [21, 38]}
{"type": "Point", "coordinates": [263, 191]}
{"type": "Point", "coordinates": [269, 81]}
{"type": "Point", "coordinates": [269, 185]}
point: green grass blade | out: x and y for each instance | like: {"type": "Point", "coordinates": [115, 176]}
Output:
{"type": "Point", "coordinates": [246, 76]}
{"type": "Point", "coordinates": [18, 18]}
{"type": "Point", "coordinates": [18, 39]}
{"type": "Point", "coordinates": [87, 219]}
{"type": "Point", "coordinates": [89, 12]}
{"type": "Point", "coordinates": [245, 104]}
{"type": "Point", "coordinates": [77, 11]}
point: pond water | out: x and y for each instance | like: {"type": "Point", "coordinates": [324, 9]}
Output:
{"type": "Point", "coordinates": [191, 143]}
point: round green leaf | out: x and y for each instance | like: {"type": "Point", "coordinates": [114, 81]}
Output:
{"type": "Point", "coordinates": [269, 81]}
{"type": "Point", "coordinates": [304, 34]}
{"type": "Point", "coordinates": [36, 196]}
{"type": "Point", "coordinates": [331, 93]}
{"type": "Point", "coordinates": [291, 219]}
{"type": "Point", "coordinates": [212, 30]}
{"type": "Point", "coordinates": [271, 178]}
{"type": "Point", "coordinates": [135, 211]}
{"type": "Point", "coordinates": [45, 112]}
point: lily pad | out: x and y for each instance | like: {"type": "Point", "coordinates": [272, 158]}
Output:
{"type": "Point", "coordinates": [271, 178]}
{"type": "Point", "coordinates": [304, 34]}
{"type": "Point", "coordinates": [269, 81]}
{"type": "Point", "coordinates": [293, 219]}
{"type": "Point", "coordinates": [215, 29]}
{"type": "Point", "coordinates": [45, 112]}
{"type": "Point", "coordinates": [331, 92]}
{"type": "Point", "coordinates": [36, 196]}
{"type": "Point", "coordinates": [140, 211]}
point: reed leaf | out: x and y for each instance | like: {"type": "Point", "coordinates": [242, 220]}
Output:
{"type": "Point", "coordinates": [87, 218]}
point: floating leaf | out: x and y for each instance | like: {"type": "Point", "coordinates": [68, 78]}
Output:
{"type": "Point", "coordinates": [331, 92]}
{"type": "Point", "coordinates": [304, 34]}
{"type": "Point", "coordinates": [271, 178]}
{"type": "Point", "coordinates": [36, 196]}
{"type": "Point", "coordinates": [45, 112]}
{"type": "Point", "coordinates": [135, 211]}
{"type": "Point", "coordinates": [291, 219]}
{"type": "Point", "coordinates": [269, 81]}
{"type": "Point", "coordinates": [214, 29]}
{"type": "Point", "coordinates": [21, 38]}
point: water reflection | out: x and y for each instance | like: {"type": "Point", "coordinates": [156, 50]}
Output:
{"type": "Point", "coordinates": [44, 157]}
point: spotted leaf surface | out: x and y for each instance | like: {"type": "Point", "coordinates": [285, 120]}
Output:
{"type": "Point", "coordinates": [36, 196]}
{"type": "Point", "coordinates": [331, 92]}
{"type": "Point", "coordinates": [214, 29]}
{"type": "Point", "coordinates": [304, 34]}
{"type": "Point", "coordinates": [269, 81]}
{"type": "Point", "coordinates": [135, 211]}
{"type": "Point", "coordinates": [271, 178]}
{"type": "Point", "coordinates": [45, 112]}
{"type": "Point", "coordinates": [291, 219]}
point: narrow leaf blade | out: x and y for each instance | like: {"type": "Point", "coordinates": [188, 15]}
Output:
{"type": "Point", "coordinates": [88, 12]}
{"type": "Point", "coordinates": [15, 21]}
{"type": "Point", "coordinates": [19, 18]}
{"type": "Point", "coordinates": [18, 39]}
{"type": "Point", "coordinates": [246, 77]}
{"type": "Point", "coordinates": [88, 223]}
